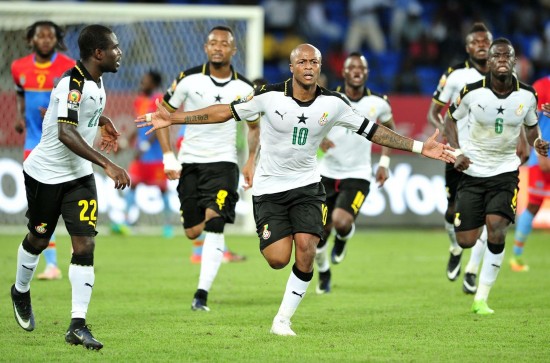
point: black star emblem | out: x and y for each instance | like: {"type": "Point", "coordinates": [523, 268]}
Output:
{"type": "Point", "coordinates": [218, 98]}
{"type": "Point", "coordinates": [302, 119]}
{"type": "Point", "coordinates": [500, 110]}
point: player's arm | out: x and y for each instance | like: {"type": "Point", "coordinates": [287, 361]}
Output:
{"type": "Point", "coordinates": [456, 111]}
{"type": "Point", "coordinates": [71, 138]}
{"type": "Point", "coordinates": [434, 116]}
{"type": "Point", "coordinates": [172, 167]}
{"type": "Point", "coordinates": [253, 140]}
{"type": "Point", "coordinates": [534, 138]}
{"type": "Point", "coordinates": [523, 150]}
{"type": "Point", "coordinates": [382, 172]}
{"type": "Point", "coordinates": [20, 116]}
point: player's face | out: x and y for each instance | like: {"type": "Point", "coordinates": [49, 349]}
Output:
{"type": "Point", "coordinates": [306, 66]}
{"type": "Point", "coordinates": [220, 47]}
{"type": "Point", "coordinates": [147, 85]}
{"type": "Point", "coordinates": [112, 55]}
{"type": "Point", "coordinates": [477, 45]}
{"type": "Point", "coordinates": [355, 71]}
{"type": "Point", "coordinates": [44, 40]}
{"type": "Point", "coordinates": [502, 60]}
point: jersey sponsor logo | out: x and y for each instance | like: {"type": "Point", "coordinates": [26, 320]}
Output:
{"type": "Point", "coordinates": [266, 233]}
{"type": "Point", "coordinates": [41, 228]}
{"type": "Point", "coordinates": [457, 221]}
{"type": "Point", "coordinates": [323, 120]}
{"type": "Point", "coordinates": [519, 111]}
{"type": "Point", "coordinates": [74, 99]}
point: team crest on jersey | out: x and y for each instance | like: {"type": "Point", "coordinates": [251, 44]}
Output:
{"type": "Point", "coordinates": [240, 99]}
{"type": "Point", "coordinates": [519, 111]}
{"type": "Point", "coordinates": [324, 119]}
{"type": "Point", "coordinates": [442, 81]}
{"type": "Point", "coordinates": [22, 80]}
{"type": "Point", "coordinates": [266, 233]}
{"type": "Point", "coordinates": [74, 99]}
{"type": "Point", "coordinates": [41, 228]}
{"type": "Point", "coordinates": [372, 112]}
{"type": "Point", "coordinates": [457, 221]}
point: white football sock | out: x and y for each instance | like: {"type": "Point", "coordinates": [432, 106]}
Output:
{"type": "Point", "coordinates": [82, 281]}
{"type": "Point", "coordinates": [489, 272]}
{"type": "Point", "coordinates": [294, 293]}
{"type": "Point", "coordinates": [26, 266]}
{"type": "Point", "coordinates": [321, 258]}
{"type": "Point", "coordinates": [455, 248]}
{"type": "Point", "coordinates": [477, 253]}
{"type": "Point", "coordinates": [212, 255]}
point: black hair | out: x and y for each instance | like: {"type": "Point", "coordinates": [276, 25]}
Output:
{"type": "Point", "coordinates": [501, 41]}
{"type": "Point", "coordinates": [355, 54]}
{"type": "Point", "coordinates": [93, 37]}
{"type": "Point", "coordinates": [478, 27]}
{"type": "Point", "coordinates": [155, 77]}
{"type": "Point", "coordinates": [59, 33]}
{"type": "Point", "coordinates": [223, 28]}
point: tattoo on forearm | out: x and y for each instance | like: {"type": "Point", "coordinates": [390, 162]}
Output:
{"type": "Point", "coordinates": [197, 119]}
{"type": "Point", "coordinates": [386, 137]}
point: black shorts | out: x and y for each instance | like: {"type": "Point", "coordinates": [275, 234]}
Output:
{"type": "Point", "coordinates": [348, 194]}
{"type": "Point", "coordinates": [300, 210]}
{"type": "Point", "coordinates": [209, 185]}
{"type": "Point", "coordinates": [477, 197]}
{"type": "Point", "coordinates": [452, 177]}
{"type": "Point", "coordinates": [75, 200]}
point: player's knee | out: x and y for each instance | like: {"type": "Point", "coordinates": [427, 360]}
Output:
{"type": "Point", "coordinates": [215, 225]}
{"type": "Point", "coordinates": [277, 263]}
{"type": "Point", "coordinates": [466, 240]}
{"type": "Point", "coordinates": [35, 245]}
{"type": "Point", "coordinates": [83, 245]}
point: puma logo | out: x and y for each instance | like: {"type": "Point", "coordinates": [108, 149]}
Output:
{"type": "Point", "coordinates": [300, 295]}
{"type": "Point", "coordinates": [497, 266]}
{"type": "Point", "coordinates": [87, 284]}
{"type": "Point", "coordinates": [282, 115]}
{"type": "Point", "coordinates": [483, 108]}
{"type": "Point", "coordinates": [28, 268]}
{"type": "Point", "coordinates": [77, 81]}
{"type": "Point", "coordinates": [200, 94]}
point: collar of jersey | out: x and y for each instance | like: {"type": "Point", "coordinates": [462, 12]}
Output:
{"type": "Point", "coordinates": [366, 92]}
{"type": "Point", "coordinates": [288, 93]}
{"type": "Point", "coordinates": [83, 71]}
{"type": "Point", "coordinates": [206, 72]}
{"type": "Point", "coordinates": [44, 65]}
{"type": "Point", "coordinates": [487, 84]}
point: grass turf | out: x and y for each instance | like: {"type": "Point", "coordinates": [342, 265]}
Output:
{"type": "Point", "coordinates": [390, 301]}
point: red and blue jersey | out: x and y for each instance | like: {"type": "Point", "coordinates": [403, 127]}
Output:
{"type": "Point", "coordinates": [542, 86]}
{"type": "Point", "coordinates": [144, 104]}
{"type": "Point", "coordinates": [35, 82]}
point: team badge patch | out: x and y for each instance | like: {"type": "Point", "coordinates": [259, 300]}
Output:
{"type": "Point", "coordinates": [324, 119]}
{"type": "Point", "coordinates": [266, 233]}
{"type": "Point", "coordinates": [41, 228]}
{"type": "Point", "coordinates": [372, 112]}
{"type": "Point", "coordinates": [519, 111]}
{"type": "Point", "coordinates": [457, 221]}
{"type": "Point", "coordinates": [442, 81]}
{"type": "Point", "coordinates": [240, 99]}
{"type": "Point", "coordinates": [74, 99]}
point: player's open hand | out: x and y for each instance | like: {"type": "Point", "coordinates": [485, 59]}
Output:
{"type": "Point", "coordinates": [381, 176]}
{"type": "Point", "coordinates": [249, 169]}
{"type": "Point", "coordinates": [109, 137]}
{"type": "Point", "coordinates": [541, 146]}
{"type": "Point", "coordinates": [326, 144]}
{"type": "Point", "coordinates": [159, 119]}
{"type": "Point", "coordinates": [436, 150]}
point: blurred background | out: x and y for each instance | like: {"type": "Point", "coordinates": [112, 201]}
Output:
{"type": "Point", "coordinates": [409, 44]}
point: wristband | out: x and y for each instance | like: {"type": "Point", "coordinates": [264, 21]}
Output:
{"type": "Point", "coordinates": [148, 117]}
{"type": "Point", "coordinates": [457, 152]}
{"type": "Point", "coordinates": [170, 162]}
{"type": "Point", "coordinates": [417, 147]}
{"type": "Point", "coordinates": [384, 161]}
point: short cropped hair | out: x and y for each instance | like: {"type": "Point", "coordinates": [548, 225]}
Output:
{"type": "Point", "coordinates": [93, 37]}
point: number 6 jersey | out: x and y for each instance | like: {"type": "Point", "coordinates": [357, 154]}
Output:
{"type": "Point", "coordinates": [494, 123]}
{"type": "Point", "coordinates": [77, 100]}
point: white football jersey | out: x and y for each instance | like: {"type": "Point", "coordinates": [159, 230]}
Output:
{"type": "Point", "coordinates": [449, 88]}
{"type": "Point", "coordinates": [291, 132]}
{"type": "Point", "coordinates": [78, 100]}
{"type": "Point", "coordinates": [196, 89]}
{"type": "Point", "coordinates": [351, 155]}
{"type": "Point", "coordinates": [494, 125]}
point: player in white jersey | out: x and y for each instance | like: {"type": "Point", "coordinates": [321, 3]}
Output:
{"type": "Point", "coordinates": [346, 170]}
{"type": "Point", "coordinates": [207, 163]}
{"type": "Point", "coordinates": [472, 70]}
{"type": "Point", "coordinates": [289, 200]}
{"type": "Point", "coordinates": [496, 108]}
{"type": "Point", "coordinates": [59, 178]}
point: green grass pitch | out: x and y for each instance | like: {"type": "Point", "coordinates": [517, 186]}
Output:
{"type": "Point", "coordinates": [390, 301]}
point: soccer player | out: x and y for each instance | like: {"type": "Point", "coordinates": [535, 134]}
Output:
{"type": "Point", "coordinates": [147, 168]}
{"type": "Point", "coordinates": [207, 163]}
{"type": "Point", "coordinates": [496, 108]}
{"type": "Point", "coordinates": [34, 76]}
{"type": "Point", "coordinates": [473, 69]}
{"type": "Point", "coordinates": [346, 170]}
{"type": "Point", "coordinates": [539, 181]}
{"type": "Point", "coordinates": [288, 197]}
{"type": "Point", "coordinates": [59, 179]}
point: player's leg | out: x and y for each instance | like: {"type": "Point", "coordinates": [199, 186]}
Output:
{"type": "Point", "coordinates": [79, 210]}
{"type": "Point", "coordinates": [452, 177]}
{"type": "Point", "coordinates": [469, 285]}
{"type": "Point", "coordinates": [52, 271]}
{"type": "Point", "coordinates": [321, 253]}
{"type": "Point", "coordinates": [501, 199]}
{"type": "Point", "coordinates": [43, 212]}
{"type": "Point", "coordinates": [307, 213]}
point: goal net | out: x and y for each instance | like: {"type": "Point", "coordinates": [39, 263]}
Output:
{"type": "Point", "coordinates": [166, 38]}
